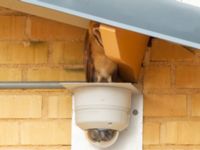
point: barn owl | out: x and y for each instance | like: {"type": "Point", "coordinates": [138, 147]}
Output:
{"type": "Point", "coordinates": [103, 66]}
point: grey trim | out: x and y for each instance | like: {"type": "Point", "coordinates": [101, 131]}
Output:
{"type": "Point", "coordinates": [32, 85]}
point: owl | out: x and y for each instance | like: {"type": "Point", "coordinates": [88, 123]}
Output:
{"type": "Point", "coordinates": [99, 67]}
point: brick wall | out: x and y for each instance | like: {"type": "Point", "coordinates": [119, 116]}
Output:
{"type": "Point", "coordinates": [171, 98]}
{"type": "Point", "coordinates": [36, 49]}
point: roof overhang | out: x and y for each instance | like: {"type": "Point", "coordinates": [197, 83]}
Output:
{"type": "Point", "coordinates": [172, 20]}
{"type": "Point", "coordinates": [44, 12]}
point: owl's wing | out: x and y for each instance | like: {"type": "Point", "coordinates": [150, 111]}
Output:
{"type": "Point", "coordinates": [89, 65]}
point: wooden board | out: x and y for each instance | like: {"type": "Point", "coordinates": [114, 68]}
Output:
{"type": "Point", "coordinates": [126, 48]}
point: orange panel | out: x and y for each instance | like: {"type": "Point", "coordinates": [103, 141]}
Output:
{"type": "Point", "coordinates": [126, 48]}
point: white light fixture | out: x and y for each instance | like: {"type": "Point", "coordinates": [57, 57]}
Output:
{"type": "Point", "coordinates": [116, 108]}
{"type": "Point", "coordinates": [195, 3]}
